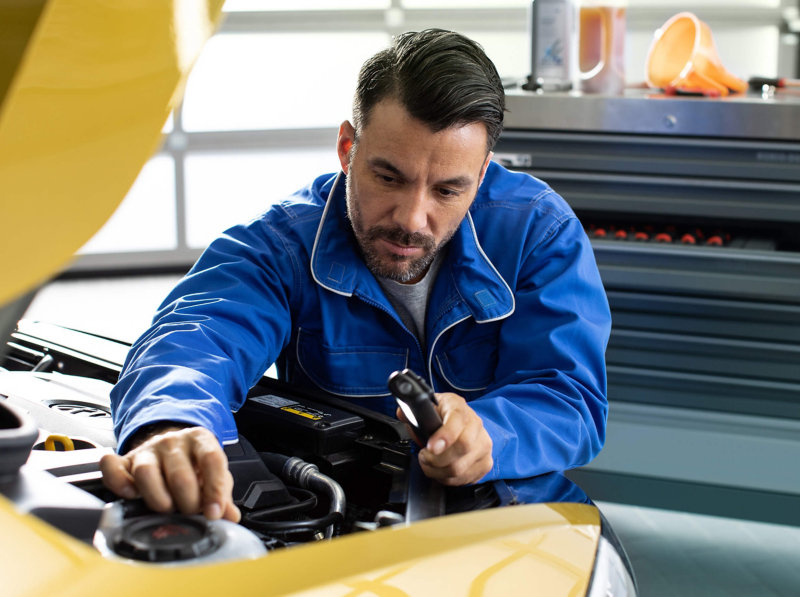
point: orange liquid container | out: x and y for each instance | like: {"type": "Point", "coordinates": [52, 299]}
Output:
{"type": "Point", "coordinates": [601, 47]}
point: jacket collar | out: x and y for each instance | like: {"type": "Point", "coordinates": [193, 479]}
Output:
{"type": "Point", "coordinates": [336, 262]}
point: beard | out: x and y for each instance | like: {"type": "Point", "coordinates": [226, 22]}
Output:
{"type": "Point", "coordinates": [399, 268]}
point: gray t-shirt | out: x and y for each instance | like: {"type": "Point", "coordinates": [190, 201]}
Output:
{"type": "Point", "coordinates": [411, 300]}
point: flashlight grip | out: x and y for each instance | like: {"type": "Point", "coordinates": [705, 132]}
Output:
{"type": "Point", "coordinates": [417, 401]}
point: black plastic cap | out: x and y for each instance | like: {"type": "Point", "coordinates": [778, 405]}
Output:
{"type": "Point", "coordinates": [165, 538]}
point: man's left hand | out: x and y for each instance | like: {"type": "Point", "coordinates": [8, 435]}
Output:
{"type": "Point", "coordinates": [460, 452]}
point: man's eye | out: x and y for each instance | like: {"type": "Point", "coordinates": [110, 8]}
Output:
{"type": "Point", "coordinates": [386, 178]}
{"type": "Point", "coordinates": [448, 193]}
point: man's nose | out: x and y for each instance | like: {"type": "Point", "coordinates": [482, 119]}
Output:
{"type": "Point", "coordinates": [411, 214]}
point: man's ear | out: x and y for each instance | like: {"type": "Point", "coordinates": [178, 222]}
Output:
{"type": "Point", "coordinates": [344, 144]}
{"type": "Point", "coordinates": [485, 166]}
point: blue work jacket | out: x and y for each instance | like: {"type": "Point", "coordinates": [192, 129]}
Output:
{"type": "Point", "coordinates": [517, 324]}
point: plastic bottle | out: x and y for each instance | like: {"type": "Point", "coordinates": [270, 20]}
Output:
{"type": "Point", "coordinates": [551, 31]}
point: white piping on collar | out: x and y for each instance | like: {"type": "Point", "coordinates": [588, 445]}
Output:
{"type": "Point", "coordinates": [513, 300]}
{"type": "Point", "coordinates": [319, 232]}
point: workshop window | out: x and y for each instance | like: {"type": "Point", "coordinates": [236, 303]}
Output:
{"type": "Point", "coordinates": [256, 5]}
{"type": "Point", "coordinates": [508, 50]}
{"type": "Point", "coordinates": [145, 221]}
{"type": "Point", "coordinates": [276, 81]}
{"type": "Point", "coordinates": [224, 189]}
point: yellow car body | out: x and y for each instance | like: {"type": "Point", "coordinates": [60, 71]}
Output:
{"type": "Point", "coordinates": [538, 549]}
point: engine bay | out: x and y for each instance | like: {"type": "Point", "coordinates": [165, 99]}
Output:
{"type": "Point", "coordinates": [306, 467]}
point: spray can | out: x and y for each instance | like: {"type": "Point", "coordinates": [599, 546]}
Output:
{"type": "Point", "coordinates": [551, 28]}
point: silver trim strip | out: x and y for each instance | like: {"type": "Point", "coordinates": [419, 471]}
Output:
{"type": "Point", "coordinates": [72, 353]}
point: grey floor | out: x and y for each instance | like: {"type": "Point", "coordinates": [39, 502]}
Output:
{"type": "Point", "coordinates": [674, 554]}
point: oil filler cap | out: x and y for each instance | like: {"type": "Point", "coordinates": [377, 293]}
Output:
{"type": "Point", "coordinates": [165, 538]}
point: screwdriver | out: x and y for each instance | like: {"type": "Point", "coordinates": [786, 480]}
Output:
{"type": "Point", "coordinates": [757, 83]}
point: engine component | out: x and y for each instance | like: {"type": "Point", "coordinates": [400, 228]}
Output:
{"type": "Point", "coordinates": [62, 404]}
{"type": "Point", "coordinates": [60, 504]}
{"type": "Point", "coordinates": [307, 476]}
{"type": "Point", "coordinates": [304, 425]}
{"type": "Point", "coordinates": [173, 539]}
{"type": "Point", "coordinates": [165, 538]}
{"type": "Point", "coordinates": [17, 435]}
{"type": "Point", "coordinates": [255, 487]}
{"type": "Point", "coordinates": [384, 518]}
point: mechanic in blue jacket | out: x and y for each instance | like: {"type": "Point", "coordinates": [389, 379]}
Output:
{"type": "Point", "coordinates": [421, 253]}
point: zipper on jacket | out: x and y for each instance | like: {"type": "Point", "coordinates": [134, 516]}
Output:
{"type": "Point", "coordinates": [398, 320]}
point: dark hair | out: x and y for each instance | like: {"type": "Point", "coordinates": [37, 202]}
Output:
{"type": "Point", "coordinates": [440, 77]}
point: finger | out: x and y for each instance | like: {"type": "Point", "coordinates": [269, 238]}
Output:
{"type": "Point", "coordinates": [217, 480]}
{"type": "Point", "coordinates": [180, 475]}
{"type": "Point", "coordinates": [471, 467]}
{"type": "Point", "coordinates": [116, 476]}
{"type": "Point", "coordinates": [146, 471]}
{"type": "Point", "coordinates": [451, 411]}
{"type": "Point", "coordinates": [466, 442]}
{"type": "Point", "coordinates": [232, 513]}
{"type": "Point", "coordinates": [460, 433]}
{"type": "Point", "coordinates": [455, 473]}
{"type": "Point", "coordinates": [462, 472]}
{"type": "Point", "coordinates": [480, 469]}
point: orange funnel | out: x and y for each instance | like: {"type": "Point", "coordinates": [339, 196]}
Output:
{"type": "Point", "coordinates": [683, 56]}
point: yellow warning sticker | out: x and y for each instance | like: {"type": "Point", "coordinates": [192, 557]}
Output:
{"type": "Point", "coordinates": [307, 415]}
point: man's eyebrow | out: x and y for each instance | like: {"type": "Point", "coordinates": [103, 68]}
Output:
{"type": "Point", "coordinates": [386, 165]}
{"type": "Point", "coordinates": [458, 181]}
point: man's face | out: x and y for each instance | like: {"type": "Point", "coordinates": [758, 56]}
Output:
{"type": "Point", "coordinates": [408, 189]}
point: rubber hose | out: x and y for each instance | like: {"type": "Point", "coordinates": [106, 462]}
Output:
{"type": "Point", "coordinates": [295, 525]}
{"type": "Point", "coordinates": [302, 474]}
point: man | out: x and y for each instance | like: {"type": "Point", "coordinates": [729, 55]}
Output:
{"type": "Point", "coordinates": [421, 253]}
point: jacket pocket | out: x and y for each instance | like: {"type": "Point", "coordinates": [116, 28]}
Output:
{"type": "Point", "coordinates": [470, 367]}
{"type": "Point", "coordinates": [354, 371]}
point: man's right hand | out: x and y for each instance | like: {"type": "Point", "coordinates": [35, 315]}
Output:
{"type": "Point", "coordinates": [183, 468]}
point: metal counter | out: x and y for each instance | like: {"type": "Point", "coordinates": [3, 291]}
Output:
{"type": "Point", "coordinates": [646, 112]}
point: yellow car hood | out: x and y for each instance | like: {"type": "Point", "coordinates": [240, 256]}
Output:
{"type": "Point", "coordinates": [539, 549]}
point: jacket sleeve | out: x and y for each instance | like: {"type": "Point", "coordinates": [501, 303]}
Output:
{"type": "Point", "coordinates": [212, 338]}
{"type": "Point", "coordinates": [547, 409]}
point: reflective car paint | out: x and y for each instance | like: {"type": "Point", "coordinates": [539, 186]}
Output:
{"type": "Point", "coordinates": [542, 549]}
{"type": "Point", "coordinates": [85, 89]}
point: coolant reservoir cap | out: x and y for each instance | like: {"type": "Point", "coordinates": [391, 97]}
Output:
{"type": "Point", "coordinates": [165, 538]}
